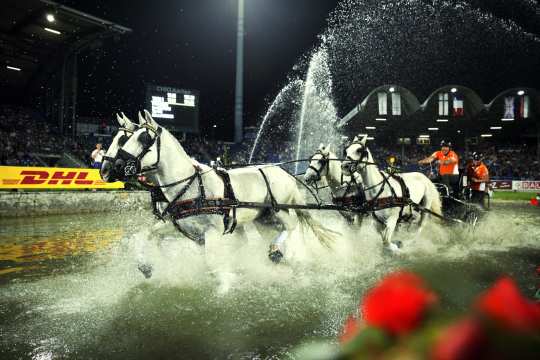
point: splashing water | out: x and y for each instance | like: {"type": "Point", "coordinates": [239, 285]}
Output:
{"type": "Point", "coordinates": [423, 45]}
{"type": "Point", "coordinates": [278, 103]}
{"type": "Point", "coordinates": [318, 114]}
{"type": "Point", "coordinates": [227, 298]}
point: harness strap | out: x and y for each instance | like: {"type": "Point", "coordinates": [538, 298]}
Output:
{"type": "Point", "coordinates": [228, 193]}
{"type": "Point", "coordinates": [197, 239]}
{"type": "Point", "coordinates": [272, 198]}
{"type": "Point", "coordinates": [190, 181]}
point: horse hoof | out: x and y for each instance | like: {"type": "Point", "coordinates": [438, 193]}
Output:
{"type": "Point", "coordinates": [146, 270]}
{"type": "Point", "coordinates": [275, 256]}
{"type": "Point", "coordinates": [391, 249]}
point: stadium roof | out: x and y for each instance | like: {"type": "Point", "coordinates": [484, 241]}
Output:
{"type": "Point", "coordinates": [451, 112]}
{"type": "Point", "coordinates": [37, 35]}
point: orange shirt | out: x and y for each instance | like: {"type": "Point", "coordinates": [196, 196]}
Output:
{"type": "Point", "coordinates": [450, 169]}
{"type": "Point", "coordinates": [480, 172]}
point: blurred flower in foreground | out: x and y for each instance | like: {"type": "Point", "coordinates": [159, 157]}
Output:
{"type": "Point", "coordinates": [505, 305]}
{"type": "Point", "coordinates": [398, 320]}
{"type": "Point", "coordinates": [464, 340]}
{"type": "Point", "coordinates": [398, 304]}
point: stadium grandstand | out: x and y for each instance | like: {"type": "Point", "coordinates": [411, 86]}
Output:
{"type": "Point", "coordinates": [40, 125]}
{"type": "Point", "coordinates": [40, 41]}
{"type": "Point", "coordinates": [506, 129]}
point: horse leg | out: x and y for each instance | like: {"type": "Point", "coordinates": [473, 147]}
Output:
{"type": "Point", "coordinates": [277, 246]}
{"type": "Point", "coordinates": [386, 229]}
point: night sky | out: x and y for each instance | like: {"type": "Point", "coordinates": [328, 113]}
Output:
{"type": "Point", "coordinates": [192, 43]}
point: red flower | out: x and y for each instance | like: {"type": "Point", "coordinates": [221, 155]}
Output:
{"type": "Point", "coordinates": [534, 201]}
{"type": "Point", "coordinates": [461, 341]}
{"type": "Point", "coordinates": [351, 328]}
{"type": "Point", "coordinates": [505, 304]}
{"type": "Point", "coordinates": [398, 303]}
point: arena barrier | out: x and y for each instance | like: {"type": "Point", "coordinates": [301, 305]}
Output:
{"type": "Point", "coordinates": [16, 177]}
{"type": "Point", "coordinates": [44, 203]}
{"type": "Point", "coordinates": [516, 185]}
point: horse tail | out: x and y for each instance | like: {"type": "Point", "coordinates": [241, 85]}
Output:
{"type": "Point", "coordinates": [433, 193]}
{"type": "Point", "coordinates": [323, 234]}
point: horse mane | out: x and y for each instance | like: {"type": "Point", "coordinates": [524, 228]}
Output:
{"type": "Point", "coordinates": [179, 146]}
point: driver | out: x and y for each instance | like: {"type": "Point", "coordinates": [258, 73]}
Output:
{"type": "Point", "coordinates": [448, 166]}
{"type": "Point", "coordinates": [478, 177]}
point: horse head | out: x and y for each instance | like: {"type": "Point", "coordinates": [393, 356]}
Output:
{"type": "Point", "coordinates": [125, 130]}
{"type": "Point", "coordinates": [355, 154]}
{"type": "Point", "coordinates": [141, 152]}
{"type": "Point", "coordinates": [319, 165]}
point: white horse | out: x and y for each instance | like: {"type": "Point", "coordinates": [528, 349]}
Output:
{"type": "Point", "coordinates": [157, 153]}
{"type": "Point", "coordinates": [325, 167]}
{"type": "Point", "coordinates": [380, 188]}
{"type": "Point", "coordinates": [125, 131]}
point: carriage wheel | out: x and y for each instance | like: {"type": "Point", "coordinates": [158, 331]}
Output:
{"type": "Point", "coordinates": [471, 218]}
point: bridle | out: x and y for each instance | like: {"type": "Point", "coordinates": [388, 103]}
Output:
{"type": "Point", "coordinates": [132, 164]}
{"type": "Point", "coordinates": [363, 155]}
{"type": "Point", "coordinates": [121, 141]}
{"type": "Point", "coordinates": [324, 162]}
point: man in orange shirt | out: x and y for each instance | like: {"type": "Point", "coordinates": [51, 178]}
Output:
{"type": "Point", "coordinates": [478, 178]}
{"type": "Point", "coordinates": [448, 166]}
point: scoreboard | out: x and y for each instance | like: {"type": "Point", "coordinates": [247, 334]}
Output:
{"type": "Point", "coordinates": [176, 109]}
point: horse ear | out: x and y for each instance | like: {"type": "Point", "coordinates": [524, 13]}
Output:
{"type": "Point", "coordinates": [120, 120]}
{"type": "Point", "coordinates": [149, 120]}
{"type": "Point", "coordinates": [355, 139]}
{"type": "Point", "coordinates": [128, 124]}
{"type": "Point", "coordinates": [364, 139]}
{"type": "Point", "coordinates": [141, 119]}
{"type": "Point", "coordinates": [329, 147]}
{"type": "Point", "coordinates": [125, 117]}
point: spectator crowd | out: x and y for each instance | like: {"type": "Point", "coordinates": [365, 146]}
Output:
{"type": "Point", "coordinates": [26, 138]}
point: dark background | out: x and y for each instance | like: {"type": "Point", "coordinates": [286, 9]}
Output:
{"type": "Point", "coordinates": [192, 43]}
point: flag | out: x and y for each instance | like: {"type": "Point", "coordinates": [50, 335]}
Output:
{"type": "Point", "coordinates": [508, 107]}
{"type": "Point", "coordinates": [523, 110]}
{"type": "Point", "coordinates": [458, 106]}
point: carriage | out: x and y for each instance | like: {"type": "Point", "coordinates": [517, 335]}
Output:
{"type": "Point", "coordinates": [457, 210]}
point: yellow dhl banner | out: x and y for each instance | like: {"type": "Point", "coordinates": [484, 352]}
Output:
{"type": "Point", "coordinates": [16, 177]}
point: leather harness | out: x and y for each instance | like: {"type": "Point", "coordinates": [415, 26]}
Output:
{"type": "Point", "coordinates": [226, 206]}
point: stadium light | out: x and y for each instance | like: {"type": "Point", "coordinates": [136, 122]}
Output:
{"type": "Point", "coordinates": [507, 119]}
{"type": "Point", "coordinates": [56, 32]}
{"type": "Point", "coordinates": [453, 90]}
{"type": "Point", "coordinates": [423, 136]}
{"type": "Point", "coordinates": [433, 129]}
{"type": "Point", "coordinates": [459, 131]}
{"type": "Point", "coordinates": [13, 68]}
{"type": "Point", "coordinates": [370, 138]}
{"type": "Point", "coordinates": [442, 120]}
{"type": "Point", "coordinates": [214, 126]}
{"type": "Point", "coordinates": [496, 127]}
{"type": "Point", "coordinates": [392, 89]}
{"type": "Point", "coordinates": [380, 119]}
{"type": "Point", "coordinates": [486, 135]}
{"type": "Point", "coordinates": [370, 128]}
{"type": "Point", "coordinates": [521, 92]}
{"type": "Point", "coordinates": [50, 18]}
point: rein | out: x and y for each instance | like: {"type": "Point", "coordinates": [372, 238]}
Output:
{"type": "Point", "coordinates": [377, 203]}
